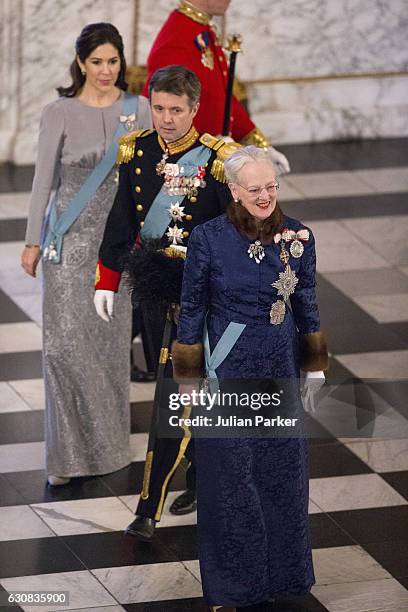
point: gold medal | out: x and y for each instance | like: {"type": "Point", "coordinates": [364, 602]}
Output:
{"type": "Point", "coordinates": [277, 312]}
{"type": "Point", "coordinates": [296, 248]}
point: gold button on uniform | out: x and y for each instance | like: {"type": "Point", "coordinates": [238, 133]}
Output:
{"type": "Point", "coordinates": [139, 207]}
{"type": "Point", "coordinates": [141, 223]}
{"type": "Point", "coordinates": [186, 234]}
{"type": "Point", "coordinates": [138, 189]}
{"type": "Point", "coordinates": [193, 199]}
{"type": "Point", "coordinates": [188, 217]}
{"type": "Point", "coordinates": [138, 171]}
{"type": "Point", "coordinates": [139, 153]}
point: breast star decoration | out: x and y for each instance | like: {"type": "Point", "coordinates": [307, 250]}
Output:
{"type": "Point", "coordinates": [285, 286]}
{"type": "Point", "coordinates": [176, 212]}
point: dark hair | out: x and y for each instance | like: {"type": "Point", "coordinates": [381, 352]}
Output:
{"type": "Point", "coordinates": [178, 80]}
{"type": "Point", "coordinates": [93, 35]}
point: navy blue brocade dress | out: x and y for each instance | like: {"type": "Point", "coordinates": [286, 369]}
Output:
{"type": "Point", "coordinates": [253, 528]}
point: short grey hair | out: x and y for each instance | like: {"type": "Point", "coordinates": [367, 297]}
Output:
{"type": "Point", "coordinates": [243, 156]}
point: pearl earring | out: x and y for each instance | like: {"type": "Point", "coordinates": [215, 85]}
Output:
{"type": "Point", "coordinates": [83, 72]}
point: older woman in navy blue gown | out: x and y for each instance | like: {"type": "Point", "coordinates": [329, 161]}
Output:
{"type": "Point", "coordinates": [249, 284]}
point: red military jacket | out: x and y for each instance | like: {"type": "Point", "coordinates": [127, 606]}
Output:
{"type": "Point", "coordinates": [182, 40]}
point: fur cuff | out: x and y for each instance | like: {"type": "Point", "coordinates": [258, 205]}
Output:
{"type": "Point", "coordinates": [188, 361]}
{"type": "Point", "coordinates": [313, 352]}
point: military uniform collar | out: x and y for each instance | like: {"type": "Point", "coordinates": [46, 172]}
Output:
{"type": "Point", "coordinates": [189, 10]}
{"type": "Point", "coordinates": [182, 144]}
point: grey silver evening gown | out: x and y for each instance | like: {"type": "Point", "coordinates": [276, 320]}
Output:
{"type": "Point", "coordinates": [85, 360]}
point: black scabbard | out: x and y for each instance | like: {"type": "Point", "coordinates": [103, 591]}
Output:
{"type": "Point", "coordinates": [158, 397]}
{"type": "Point", "coordinates": [228, 96]}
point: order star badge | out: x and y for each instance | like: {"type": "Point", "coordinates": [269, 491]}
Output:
{"type": "Point", "coordinates": [286, 283]}
{"type": "Point", "coordinates": [176, 211]}
{"type": "Point", "coordinates": [175, 234]}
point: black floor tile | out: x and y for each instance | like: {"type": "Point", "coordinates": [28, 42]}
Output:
{"type": "Point", "coordinates": [19, 366]}
{"type": "Point", "coordinates": [140, 416]}
{"type": "Point", "coordinates": [311, 157]}
{"type": "Point", "coordinates": [172, 605]}
{"type": "Point", "coordinates": [129, 480]}
{"type": "Point", "coordinates": [404, 581]}
{"type": "Point", "coordinates": [182, 541]}
{"type": "Point", "coordinates": [116, 549]}
{"type": "Point", "coordinates": [299, 604]}
{"type": "Point", "coordinates": [12, 229]}
{"type": "Point", "coordinates": [322, 209]}
{"type": "Point", "coordinates": [373, 524]}
{"type": "Point", "coordinates": [346, 155]}
{"type": "Point", "coordinates": [395, 393]}
{"type": "Point", "coordinates": [10, 312]}
{"type": "Point", "coordinates": [10, 607]}
{"type": "Point", "coordinates": [37, 556]}
{"type": "Point", "coordinates": [401, 329]}
{"type": "Point", "coordinates": [363, 335]}
{"type": "Point", "coordinates": [16, 427]}
{"type": "Point", "coordinates": [365, 154]}
{"type": "Point", "coordinates": [391, 555]}
{"type": "Point", "coordinates": [15, 178]}
{"type": "Point", "coordinates": [326, 533]}
{"type": "Point", "coordinates": [9, 496]}
{"type": "Point", "coordinates": [33, 489]}
{"type": "Point", "coordinates": [399, 482]}
{"type": "Point", "coordinates": [334, 460]}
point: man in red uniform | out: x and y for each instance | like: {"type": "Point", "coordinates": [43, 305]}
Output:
{"type": "Point", "coordinates": [188, 38]}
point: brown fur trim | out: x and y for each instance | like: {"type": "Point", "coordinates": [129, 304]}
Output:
{"type": "Point", "coordinates": [313, 352]}
{"type": "Point", "coordinates": [188, 361]}
{"type": "Point", "coordinates": [246, 223]}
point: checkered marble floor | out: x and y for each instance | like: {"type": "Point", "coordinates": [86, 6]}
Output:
{"type": "Point", "coordinates": [355, 197]}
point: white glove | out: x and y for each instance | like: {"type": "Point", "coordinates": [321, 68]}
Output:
{"type": "Point", "coordinates": [103, 302]}
{"type": "Point", "coordinates": [280, 161]}
{"type": "Point", "coordinates": [312, 383]}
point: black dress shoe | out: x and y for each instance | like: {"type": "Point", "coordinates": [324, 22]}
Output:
{"type": "Point", "coordinates": [142, 528]}
{"type": "Point", "coordinates": [184, 503]}
{"type": "Point", "coordinates": [137, 375]}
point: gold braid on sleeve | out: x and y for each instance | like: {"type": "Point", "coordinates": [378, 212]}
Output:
{"type": "Point", "coordinates": [255, 137]}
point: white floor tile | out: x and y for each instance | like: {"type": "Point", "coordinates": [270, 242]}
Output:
{"type": "Point", "coordinates": [382, 455]}
{"type": "Point", "coordinates": [31, 391]}
{"type": "Point", "coordinates": [287, 191]}
{"type": "Point", "coordinates": [20, 523]}
{"type": "Point", "coordinates": [193, 567]}
{"type": "Point", "coordinates": [386, 595]}
{"type": "Point", "coordinates": [22, 457]}
{"type": "Point", "coordinates": [385, 180]}
{"type": "Point", "coordinates": [10, 255]}
{"type": "Point", "coordinates": [85, 515]}
{"type": "Point", "coordinates": [10, 401]}
{"type": "Point", "coordinates": [142, 392]}
{"type": "Point", "coordinates": [353, 492]}
{"type": "Point", "coordinates": [138, 446]}
{"type": "Point", "coordinates": [154, 582]}
{"type": "Point", "coordinates": [31, 304]}
{"type": "Point", "coordinates": [84, 589]}
{"type": "Point", "coordinates": [392, 365]}
{"type": "Point", "coordinates": [345, 564]}
{"type": "Point", "coordinates": [329, 184]}
{"type": "Point", "coordinates": [20, 337]}
{"type": "Point", "coordinates": [387, 236]}
{"type": "Point", "coordinates": [339, 250]}
{"type": "Point", "coordinates": [14, 205]}
{"type": "Point", "coordinates": [16, 282]}
{"type": "Point", "coordinates": [382, 281]}
{"type": "Point", "coordinates": [390, 308]}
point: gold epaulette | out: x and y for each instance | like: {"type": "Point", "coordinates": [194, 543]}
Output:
{"type": "Point", "coordinates": [223, 149]}
{"type": "Point", "coordinates": [127, 145]}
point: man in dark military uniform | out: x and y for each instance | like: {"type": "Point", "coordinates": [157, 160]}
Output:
{"type": "Point", "coordinates": [171, 179]}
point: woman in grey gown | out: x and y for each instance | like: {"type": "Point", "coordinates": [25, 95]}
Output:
{"type": "Point", "coordinates": [85, 361]}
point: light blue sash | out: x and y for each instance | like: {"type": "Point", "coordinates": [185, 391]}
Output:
{"type": "Point", "coordinates": [157, 219]}
{"type": "Point", "coordinates": [223, 347]}
{"type": "Point", "coordinates": [57, 227]}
